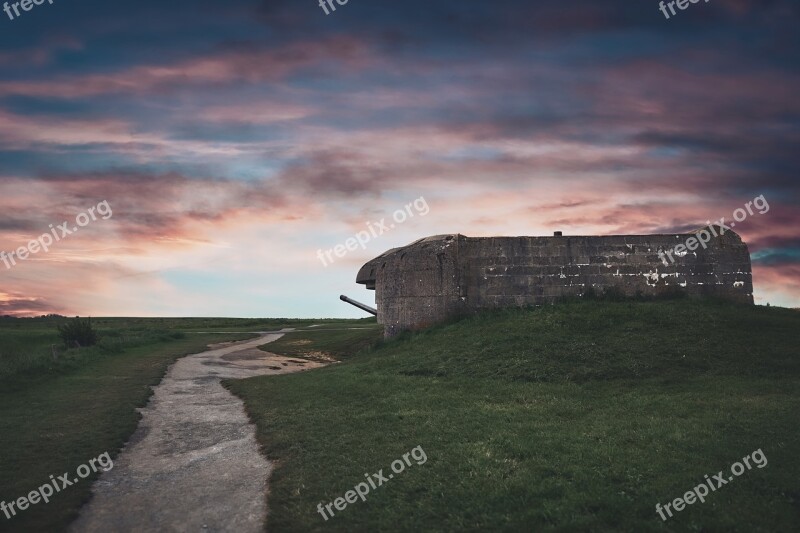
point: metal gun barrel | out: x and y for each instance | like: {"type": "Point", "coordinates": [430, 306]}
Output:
{"type": "Point", "coordinates": [363, 307]}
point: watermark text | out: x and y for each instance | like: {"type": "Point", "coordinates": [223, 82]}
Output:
{"type": "Point", "coordinates": [45, 241]}
{"type": "Point", "coordinates": [55, 485]}
{"type": "Point", "coordinates": [375, 229]}
{"type": "Point", "coordinates": [712, 483]}
{"type": "Point", "coordinates": [373, 481]}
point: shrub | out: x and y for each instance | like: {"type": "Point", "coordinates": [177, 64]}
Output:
{"type": "Point", "coordinates": [78, 332]}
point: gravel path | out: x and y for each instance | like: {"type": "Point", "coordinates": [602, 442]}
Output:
{"type": "Point", "coordinates": [193, 463]}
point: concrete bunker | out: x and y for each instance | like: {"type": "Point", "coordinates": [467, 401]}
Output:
{"type": "Point", "coordinates": [443, 276]}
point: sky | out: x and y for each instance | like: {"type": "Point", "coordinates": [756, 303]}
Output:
{"type": "Point", "coordinates": [229, 145]}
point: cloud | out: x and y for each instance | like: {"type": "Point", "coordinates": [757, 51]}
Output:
{"type": "Point", "coordinates": [233, 146]}
{"type": "Point", "coordinates": [241, 63]}
{"type": "Point", "coordinates": [16, 304]}
{"type": "Point", "coordinates": [167, 208]}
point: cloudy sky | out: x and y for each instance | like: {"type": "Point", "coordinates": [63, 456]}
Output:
{"type": "Point", "coordinates": [233, 140]}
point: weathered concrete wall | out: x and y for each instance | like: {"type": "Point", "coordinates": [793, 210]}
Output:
{"type": "Point", "coordinates": [439, 277]}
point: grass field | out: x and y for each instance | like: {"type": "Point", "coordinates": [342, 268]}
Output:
{"type": "Point", "coordinates": [25, 344]}
{"type": "Point", "coordinates": [579, 416]}
{"type": "Point", "coordinates": [57, 415]}
{"type": "Point", "coordinates": [340, 340]}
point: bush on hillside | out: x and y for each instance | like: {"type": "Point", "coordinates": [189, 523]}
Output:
{"type": "Point", "coordinates": [78, 333]}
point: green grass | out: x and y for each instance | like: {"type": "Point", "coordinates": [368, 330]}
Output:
{"type": "Point", "coordinates": [339, 340]}
{"type": "Point", "coordinates": [579, 416]}
{"type": "Point", "coordinates": [217, 324]}
{"type": "Point", "coordinates": [56, 416]}
{"type": "Point", "coordinates": [25, 344]}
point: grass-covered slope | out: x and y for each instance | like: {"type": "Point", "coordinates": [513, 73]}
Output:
{"type": "Point", "coordinates": [579, 416]}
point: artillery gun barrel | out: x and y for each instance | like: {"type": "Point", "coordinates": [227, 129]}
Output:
{"type": "Point", "coordinates": [363, 307]}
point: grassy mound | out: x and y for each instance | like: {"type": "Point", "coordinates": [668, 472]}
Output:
{"type": "Point", "coordinates": [579, 416]}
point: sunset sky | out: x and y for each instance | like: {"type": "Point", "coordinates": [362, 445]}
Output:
{"type": "Point", "coordinates": [233, 140]}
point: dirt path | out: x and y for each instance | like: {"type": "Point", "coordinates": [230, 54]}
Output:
{"type": "Point", "coordinates": [193, 463]}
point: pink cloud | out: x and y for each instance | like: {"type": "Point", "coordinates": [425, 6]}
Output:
{"type": "Point", "coordinates": [245, 65]}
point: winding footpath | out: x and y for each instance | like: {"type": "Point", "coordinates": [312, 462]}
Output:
{"type": "Point", "coordinates": [193, 463]}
